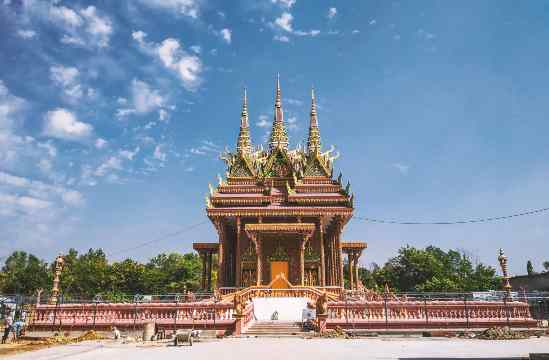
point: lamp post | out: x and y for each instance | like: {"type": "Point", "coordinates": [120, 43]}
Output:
{"type": "Point", "coordinates": [503, 264]}
{"type": "Point", "coordinates": [58, 267]}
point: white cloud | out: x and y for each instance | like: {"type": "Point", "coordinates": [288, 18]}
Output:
{"type": "Point", "coordinates": [402, 168]}
{"type": "Point", "coordinates": [332, 12]}
{"type": "Point", "coordinates": [263, 121]}
{"type": "Point", "coordinates": [226, 35]}
{"type": "Point", "coordinates": [82, 27]}
{"type": "Point", "coordinates": [162, 115]}
{"type": "Point", "coordinates": [145, 99]}
{"type": "Point", "coordinates": [312, 33]}
{"type": "Point", "coordinates": [26, 34]}
{"type": "Point", "coordinates": [68, 79]}
{"type": "Point", "coordinates": [184, 7]}
{"type": "Point", "coordinates": [171, 54]}
{"type": "Point", "coordinates": [128, 154]}
{"type": "Point", "coordinates": [285, 21]}
{"type": "Point", "coordinates": [372, 22]}
{"type": "Point", "coordinates": [159, 154]}
{"type": "Point", "coordinates": [100, 143]}
{"type": "Point", "coordinates": [285, 3]}
{"type": "Point", "coordinates": [63, 124]}
{"type": "Point", "coordinates": [73, 198]}
{"type": "Point", "coordinates": [281, 38]}
{"type": "Point", "coordinates": [112, 163]}
{"type": "Point", "coordinates": [206, 147]}
{"type": "Point", "coordinates": [35, 194]}
{"type": "Point", "coordinates": [292, 123]}
{"type": "Point", "coordinates": [355, 31]}
{"type": "Point", "coordinates": [196, 49]}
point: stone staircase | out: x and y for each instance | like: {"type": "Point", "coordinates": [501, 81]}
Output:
{"type": "Point", "coordinates": [275, 329]}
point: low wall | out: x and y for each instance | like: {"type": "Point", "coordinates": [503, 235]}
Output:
{"type": "Point", "coordinates": [429, 314]}
{"type": "Point", "coordinates": [209, 315]}
{"type": "Point", "coordinates": [202, 315]}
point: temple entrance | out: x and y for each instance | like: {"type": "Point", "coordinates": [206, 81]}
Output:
{"type": "Point", "coordinates": [279, 268]}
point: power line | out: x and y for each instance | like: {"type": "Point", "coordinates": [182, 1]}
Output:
{"type": "Point", "coordinates": [456, 222]}
{"type": "Point", "coordinates": [160, 238]}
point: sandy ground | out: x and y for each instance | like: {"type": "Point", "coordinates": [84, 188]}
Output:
{"type": "Point", "coordinates": [290, 348]}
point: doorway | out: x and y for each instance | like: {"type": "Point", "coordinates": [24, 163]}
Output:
{"type": "Point", "coordinates": [277, 268]}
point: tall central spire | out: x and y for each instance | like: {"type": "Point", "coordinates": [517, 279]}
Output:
{"type": "Point", "coordinates": [244, 144]}
{"type": "Point", "coordinates": [313, 142]}
{"type": "Point", "coordinates": [279, 136]}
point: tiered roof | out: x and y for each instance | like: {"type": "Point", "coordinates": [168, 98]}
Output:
{"type": "Point", "coordinates": [279, 181]}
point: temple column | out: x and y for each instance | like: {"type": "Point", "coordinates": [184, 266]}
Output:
{"type": "Point", "coordinates": [237, 251]}
{"type": "Point", "coordinates": [355, 266]}
{"type": "Point", "coordinates": [340, 254]}
{"type": "Point", "coordinates": [322, 259]}
{"type": "Point", "coordinates": [350, 261]}
{"type": "Point", "coordinates": [204, 259]}
{"type": "Point", "coordinates": [259, 262]}
{"type": "Point", "coordinates": [220, 226]}
{"type": "Point", "coordinates": [209, 271]}
{"type": "Point", "coordinates": [302, 261]}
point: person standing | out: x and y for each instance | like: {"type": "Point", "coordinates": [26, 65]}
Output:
{"type": "Point", "coordinates": [8, 323]}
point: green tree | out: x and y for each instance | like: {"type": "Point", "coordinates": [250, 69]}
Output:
{"type": "Point", "coordinates": [529, 268]}
{"type": "Point", "coordinates": [546, 266]}
{"type": "Point", "coordinates": [430, 269]}
{"type": "Point", "coordinates": [24, 273]}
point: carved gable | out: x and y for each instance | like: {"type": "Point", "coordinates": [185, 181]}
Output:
{"type": "Point", "coordinates": [315, 168]}
{"type": "Point", "coordinates": [240, 168]}
{"type": "Point", "coordinates": [278, 165]}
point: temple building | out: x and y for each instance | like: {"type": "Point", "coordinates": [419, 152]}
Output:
{"type": "Point", "coordinates": [280, 212]}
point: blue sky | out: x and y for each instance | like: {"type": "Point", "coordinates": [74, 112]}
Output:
{"type": "Point", "coordinates": [112, 116]}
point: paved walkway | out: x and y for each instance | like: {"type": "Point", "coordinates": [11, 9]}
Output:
{"type": "Point", "coordinates": [283, 349]}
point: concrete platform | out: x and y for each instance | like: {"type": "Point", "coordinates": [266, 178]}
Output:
{"type": "Point", "coordinates": [291, 348]}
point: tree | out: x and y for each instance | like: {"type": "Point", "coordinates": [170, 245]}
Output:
{"type": "Point", "coordinates": [529, 268]}
{"type": "Point", "coordinates": [546, 266]}
{"type": "Point", "coordinates": [23, 273]}
{"type": "Point", "coordinates": [430, 269]}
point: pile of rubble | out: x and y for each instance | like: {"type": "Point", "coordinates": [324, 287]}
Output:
{"type": "Point", "coordinates": [502, 333]}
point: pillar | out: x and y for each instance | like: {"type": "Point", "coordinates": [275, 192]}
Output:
{"type": "Point", "coordinates": [350, 261]}
{"type": "Point", "coordinates": [221, 254]}
{"type": "Point", "coordinates": [210, 260]}
{"type": "Point", "coordinates": [204, 269]}
{"type": "Point", "coordinates": [355, 266]}
{"type": "Point", "coordinates": [259, 263]}
{"type": "Point", "coordinates": [237, 251]}
{"type": "Point", "coordinates": [339, 254]}
{"type": "Point", "coordinates": [322, 259]}
{"type": "Point", "coordinates": [302, 261]}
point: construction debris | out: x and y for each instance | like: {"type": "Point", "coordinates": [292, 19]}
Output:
{"type": "Point", "coordinates": [502, 333]}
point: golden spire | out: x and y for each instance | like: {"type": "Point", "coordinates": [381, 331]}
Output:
{"type": "Point", "coordinates": [313, 142]}
{"type": "Point", "coordinates": [244, 145]}
{"type": "Point", "coordinates": [279, 136]}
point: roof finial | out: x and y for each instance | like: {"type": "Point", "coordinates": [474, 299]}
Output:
{"type": "Point", "coordinates": [278, 100]}
{"type": "Point", "coordinates": [244, 144]}
{"type": "Point", "coordinates": [313, 142]}
{"type": "Point", "coordinates": [244, 114]}
{"type": "Point", "coordinates": [279, 136]}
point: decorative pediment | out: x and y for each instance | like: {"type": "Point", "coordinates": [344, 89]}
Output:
{"type": "Point", "coordinates": [278, 164]}
{"type": "Point", "coordinates": [315, 167]}
{"type": "Point", "coordinates": [241, 168]}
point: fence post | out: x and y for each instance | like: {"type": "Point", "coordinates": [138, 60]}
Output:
{"type": "Point", "coordinates": [386, 315]}
{"type": "Point", "coordinates": [466, 310]}
{"type": "Point", "coordinates": [176, 314]}
{"type": "Point", "coordinates": [94, 313]}
{"type": "Point", "coordinates": [425, 311]}
{"type": "Point", "coordinates": [506, 309]}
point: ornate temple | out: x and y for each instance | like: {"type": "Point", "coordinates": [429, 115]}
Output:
{"type": "Point", "coordinates": [280, 212]}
